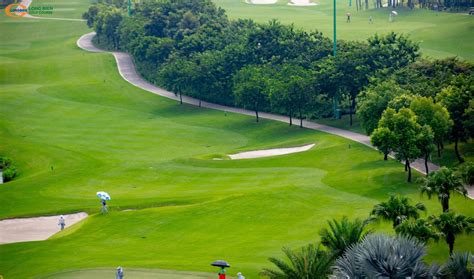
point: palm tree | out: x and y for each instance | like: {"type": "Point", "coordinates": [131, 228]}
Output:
{"type": "Point", "coordinates": [397, 209]}
{"type": "Point", "coordinates": [343, 234]}
{"type": "Point", "coordinates": [450, 225]}
{"type": "Point", "coordinates": [419, 229]}
{"type": "Point", "coordinates": [382, 256]}
{"type": "Point", "coordinates": [309, 263]}
{"type": "Point", "coordinates": [458, 266]}
{"type": "Point", "coordinates": [443, 182]}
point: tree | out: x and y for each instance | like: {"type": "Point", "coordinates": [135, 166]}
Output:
{"type": "Point", "coordinates": [434, 115]}
{"type": "Point", "coordinates": [425, 141]}
{"type": "Point", "coordinates": [384, 140]}
{"type": "Point", "coordinates": [404, 128]}
{"type": "Point", "coordinates": [397, 209]}
{"type": "Point", "coordinates": [310, 262]}
{"type": "Point", "coordinates": [390, 52]}
{"type": "Point", "coordinates": [450, 225]}
{"type": "Point", "coordinates": [341, 235]}
{"type": "Point", "coordinates": [249, 88]}
{"type": "Point", "coordinates": [420, 229]}
{"type": "Point", "coordinates": [456, 98]}
{"type": "Point", "coordinates": [372, 102]}
{"type": "Point", "coordinates": [466, 171]}
{"type": "Point", "coordinates": [382, 256]}
{"type": "Point", "coordinates": [443, 183]}
{"type": "Point", "coordinates": [176, 76]}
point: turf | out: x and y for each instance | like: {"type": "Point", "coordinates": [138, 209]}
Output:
{"type": "Point", "coordinates": [128, 273]}
{"type": "Point", "coordinates": [440, 34]}
{"type": "Point", "coordinates": [74, 127]}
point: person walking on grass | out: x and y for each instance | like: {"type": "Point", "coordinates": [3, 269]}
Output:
{"type": "Point", "coordinates": [104, 207]}
{"type": "Point", "coordinates": [222, 273]}
{"type": "Point", "coordinates": [240, 276]}
{"type": "Point", "coordinates": [61, 222]}
{"type": "Point", "coordinates": [371, 20]}
{"type": "Point", "coordinates": [348, 17]}
{"type": "Point", "coordinates": [119, 274]}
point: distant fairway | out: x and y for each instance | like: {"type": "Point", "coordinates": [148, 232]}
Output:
{"type": "Point", "coordinates": [73, 127]}
{"type": "Point", "coordinates": [439, 34]}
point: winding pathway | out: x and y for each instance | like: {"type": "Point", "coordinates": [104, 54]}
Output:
{"type": "Point", "coordinates": [127, 71]}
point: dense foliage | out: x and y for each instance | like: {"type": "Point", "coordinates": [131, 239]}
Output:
{"type": "Point", "coordinates": [7, 169]}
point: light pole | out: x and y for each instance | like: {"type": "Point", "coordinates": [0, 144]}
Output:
{"type": "Point", "coordinates": [334, 52]}
{"type": "Point", "coordinates": [129, 7]}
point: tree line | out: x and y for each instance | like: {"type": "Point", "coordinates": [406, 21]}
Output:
{"type": "Point", "coordinates": [411, 105]}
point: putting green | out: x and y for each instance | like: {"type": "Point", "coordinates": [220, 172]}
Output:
{"type": "Point", "coordinates": [74, 127]}
{"type": "Point", "coordinates": [129, 273]}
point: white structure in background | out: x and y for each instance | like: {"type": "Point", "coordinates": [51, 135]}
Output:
{"type": "Point", "coordinates": [261, 2]}
{"type": "Point", "coordinates": [301, 3]}
{"type": "Point", "coordinates": [1, 176]}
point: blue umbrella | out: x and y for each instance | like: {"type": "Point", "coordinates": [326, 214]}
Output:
{"type": "Point", "coordinates": [103, 196]}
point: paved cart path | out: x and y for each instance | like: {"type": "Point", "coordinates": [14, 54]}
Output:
{"type": "Point", "coordinates": [127, 70]}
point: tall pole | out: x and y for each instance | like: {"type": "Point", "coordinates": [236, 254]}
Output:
{"type": "Point", "coordinates": [129, 8]}
{"type": "Point", "coordinates": [334, 52]}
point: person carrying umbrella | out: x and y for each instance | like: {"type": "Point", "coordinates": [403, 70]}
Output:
{"type": "Point", "coordinates": [61, 222]}
{"type": "Point", "coordinates": [103, 196]}
{"type": "Point", "coordinates": [119, 274]}
{"type": "Point", "coordinates": [222, 264]}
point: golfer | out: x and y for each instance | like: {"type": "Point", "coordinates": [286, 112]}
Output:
{"type": "Point", "coordinates": [222, 273]}
{"type": "Point", "coordinates": [240, 276]}
{"type": "Point", "coordinates": [348, 17]}
{"type": "Point", "coordinates": [61, 222]}
{"type": "Point", "coordinates": [119, 274]}
{"type": "Point", "coordinates": [104, 207]}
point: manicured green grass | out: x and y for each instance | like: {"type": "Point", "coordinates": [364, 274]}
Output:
{"type": "Point", "coordinates": [440, 34]}
{"type": "Point", "coordinates": [141, 273]}
{"type": "Point", "coordinates": [73, 126]}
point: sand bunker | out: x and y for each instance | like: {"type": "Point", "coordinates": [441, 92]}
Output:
{"type": "Point", "coordinates": [261, 2]}
{"type": "Point", "coordinates": [270, 152]}
{"type": "Point", "coordinates": [301, 3]}
{"type": "Point", "coordinates": [32, 229]}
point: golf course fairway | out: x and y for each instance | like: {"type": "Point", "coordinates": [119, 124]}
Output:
{"type": "Point", "coordinates": [73, 127]}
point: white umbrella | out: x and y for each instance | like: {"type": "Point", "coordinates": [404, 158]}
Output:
{"type": "Point", "coordinates": [103, 196]}
{"type": "Point", "coordinates": [394, 13]}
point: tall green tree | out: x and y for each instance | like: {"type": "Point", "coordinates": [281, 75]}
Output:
{"type": "Point", "coordinates": [443, 183]}
{"type": "Point", "coordinates": [384, 140]}
{"type": "Point", "coordinates": [397, 209]}
{"type": "Point", "coordinates": [343, 234]}
{"type": "Point", "coordinates": [450, 225]}
{"type": "Point", "coordinates": [310, 262]}
{"type": "Point", "coordinates": [434, 115]}
{"type": "Point", "coordinates": [425, 142]}
{"type": "Point", "coordinates": [405, 129]}
{"type": "Point", "coordinates": [176, 75]}
{"type": "Point", "coordinates": [456, 98]}
{"type": "Point", "coordinates": [249, 88]}
{"type": "Point", "coordinates": [372, 102]}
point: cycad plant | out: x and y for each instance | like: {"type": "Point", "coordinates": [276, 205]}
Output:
{"type": "Point", "coordinates": [443, 183]}
{"type": "Point", "coordinates": [343, 234]}
{"type": "Point", "coordinates": [450, 225]}
{"type": "Point", "coordinates": [382, 256]}
{"type": "Point", "coordinates": [397, 209]}
{"type": "Point", "coordinates": [457, 267]}
{"type": "Point", "coordinates": [309, 263]}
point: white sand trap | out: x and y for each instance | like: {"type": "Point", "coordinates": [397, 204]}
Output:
{"type": "Point", "coordinates": [32, 229]}
{"type": "Point", "coordinates": [301, 3]}
{"type": "Point", "coordinates": [261, 2]}
{"type": "Point", "coordinates": [270, 152]}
